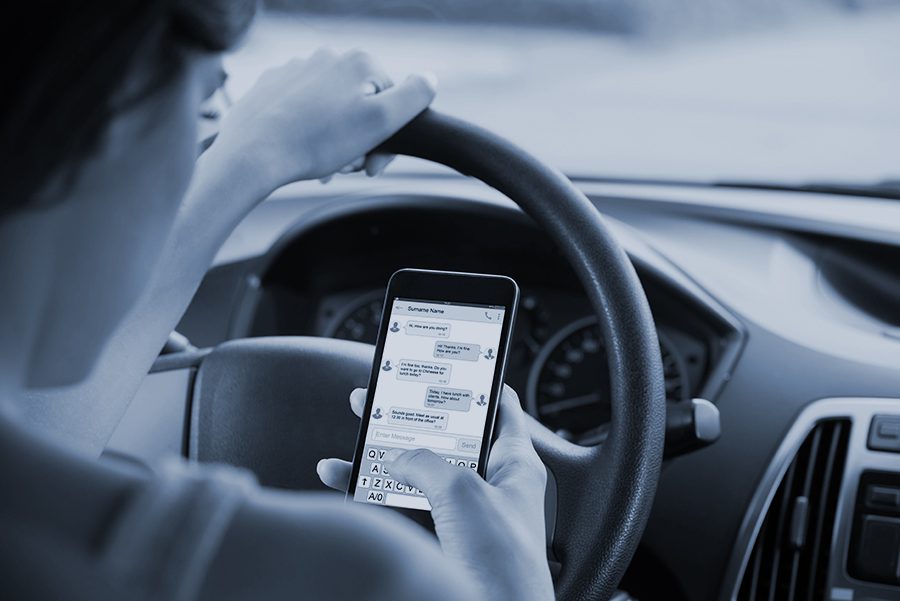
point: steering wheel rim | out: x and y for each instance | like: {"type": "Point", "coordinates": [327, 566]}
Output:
{"type": "Point", "coordinates": [612, 486]}
{"type": "Point", "coordinates": [245, 408]}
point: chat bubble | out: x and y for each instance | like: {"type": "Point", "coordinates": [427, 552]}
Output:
{"type": "Point", "coordinates": [448, 398]}
{"type": "Point", "coordinates": [423, 371]}
{"type": "Point", "coordinates": [462, 351]}
{"type": "Point", "coordinates": [417, 418]}
{"type": "Point", "coordinates": [432, 329]}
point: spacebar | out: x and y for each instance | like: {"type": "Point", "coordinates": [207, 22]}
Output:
{"type": "Point", "coordinates": [407, 501]}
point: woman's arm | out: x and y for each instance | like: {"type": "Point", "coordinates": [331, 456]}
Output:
{"type": "Point", "coordinates": [304, 120]}
{"type": "Point", "coordinates": [287, 546]}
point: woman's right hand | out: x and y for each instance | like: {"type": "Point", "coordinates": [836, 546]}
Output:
{"type": "Point", "coordinates": [495, 527]}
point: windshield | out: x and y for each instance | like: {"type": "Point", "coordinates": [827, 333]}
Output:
{"type": "Point", "coordinates": [766, 91]}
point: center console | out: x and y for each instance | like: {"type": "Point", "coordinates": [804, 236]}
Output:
{"type": "Point", "coordinates": [825, 521]}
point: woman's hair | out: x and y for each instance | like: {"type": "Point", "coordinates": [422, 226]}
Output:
{"type": "Point", "coordinates": [68, 62]}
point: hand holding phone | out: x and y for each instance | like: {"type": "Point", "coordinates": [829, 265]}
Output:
{"type": "Point", "coordinates": [436, 378]}
{"type": "Point", "coordinates": [428, 423]}
{"type": "Point", "coordinates": [494, 527]}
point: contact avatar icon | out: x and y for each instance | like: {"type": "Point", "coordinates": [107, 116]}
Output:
{"type": "Point", "coordinates": [481, 402]}
{"type": "Point", "coordinates": [395, 327]}
{"type": "Point", "coordinates": [377, 414]}
{"type": "Point", "coordinates": [489, 354]}
{"type": "Point", "coordinates": [387, 366]}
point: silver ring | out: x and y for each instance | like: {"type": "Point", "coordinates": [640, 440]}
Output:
{"type": "Point", "coordinates": [370, 88]}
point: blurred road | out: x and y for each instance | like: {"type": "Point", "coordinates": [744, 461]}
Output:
{"type": "Point", "coordinates": [814, 100]}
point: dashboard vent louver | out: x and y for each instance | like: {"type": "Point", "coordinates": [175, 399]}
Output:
{"type": "Point", "coordinates": [790, 556]}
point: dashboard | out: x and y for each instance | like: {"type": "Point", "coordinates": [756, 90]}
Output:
{"type": "Point", "coordinates": [556, 344]}
{"type": "Point", "coordinates": [766, 302]}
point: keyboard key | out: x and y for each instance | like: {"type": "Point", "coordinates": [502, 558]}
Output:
{"type": "Point", "coordinates": [389, 485]}
{"type": "Point", "coordinates": [363, 482]}
{"type": "Point", "coordinates": [375, 468]}
{"type": "Point", "coordinates": [473, 465]}
{"type": "Point", "coordinates": [377, 483]}
{"type": "Point", "coordinates": [404, 501]}
{"type": "Point", "coordinates": [372, 454]}
{"type": "Point", "coordinates": [375, 497]}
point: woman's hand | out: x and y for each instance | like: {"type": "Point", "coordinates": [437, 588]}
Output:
{"type": "Point", "coordinates": [494, 527]}
{"type": "Point", "coordinates": [311, 118]}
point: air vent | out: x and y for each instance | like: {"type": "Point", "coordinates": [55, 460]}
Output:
{"type": "Point", "coordinates": [790, 556]}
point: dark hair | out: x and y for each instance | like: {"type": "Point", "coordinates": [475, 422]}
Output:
{"type": "Point", "coordinates": [68, 60]}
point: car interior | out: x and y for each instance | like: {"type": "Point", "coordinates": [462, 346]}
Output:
{"type": "Point", "coordinates": [773, 323]}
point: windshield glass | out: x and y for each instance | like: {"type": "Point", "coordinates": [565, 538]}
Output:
{"type": "Point", "coordinates": [766, 91]}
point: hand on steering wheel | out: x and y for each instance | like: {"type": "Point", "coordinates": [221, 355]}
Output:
{"type": "Point", "coordinates": [311, 118]}
{"type": "Point", "coordinates": [494, 528]}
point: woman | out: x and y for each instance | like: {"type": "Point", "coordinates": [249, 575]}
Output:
{"type": "Point", "coordinates": [107, 225]}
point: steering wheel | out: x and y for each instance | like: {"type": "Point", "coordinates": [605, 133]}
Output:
{"type": "Point", "coordinates": [276, 405]}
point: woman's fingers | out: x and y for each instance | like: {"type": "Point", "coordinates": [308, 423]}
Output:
{"type": "Point", "coordinates": [364, 66]}
{"type": "Point", "coordinates": [358, 401]}
{"type": "Point", "coordinates": [438, 479]}
{"type": "Point", "coordinates": [398, 105]}
{"type": "Point", "coordinates": [373, 164]}
{"type": "Point", "coordinates": [513, 459]}
{"type": "Point", "coordinates": [377, 163]}
{"type": "Point", "coordinates": [353, 167]}
{"type": "Point", "coordinates": [511, 417]}
{"type": "Point", "coordinates": [334, 473]}
{"type": "Point", "coordinates": [394, 106]}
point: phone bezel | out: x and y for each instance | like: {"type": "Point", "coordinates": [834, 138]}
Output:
{"type": "Point", "coordinates": [444, 287]}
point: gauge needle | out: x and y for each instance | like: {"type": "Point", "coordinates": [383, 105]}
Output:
{"type": "Point", "coordinates": [571, 403]}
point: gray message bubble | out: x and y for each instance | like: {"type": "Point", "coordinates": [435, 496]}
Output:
{"type": "Point", "coordinates": [418, 418]}
{"type": "Point", "coordinates": [423, 371]}
{"type": "Point", "coordinates": [462, 351]}
{"type": "Point", "coordinates": [432, 329]}
{"type": "Point", "coordinates": [448, 398]}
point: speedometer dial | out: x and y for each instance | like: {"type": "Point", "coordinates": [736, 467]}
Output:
{"type": "Point", "coordinates": [359, 321]}
{"type": "Point", "coordinates": [568, 387]}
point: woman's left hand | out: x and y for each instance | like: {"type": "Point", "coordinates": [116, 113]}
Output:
{"type": "Point", "coordinates": [312, 118]}
{"type": "Point", "coordinates": [493, 527]}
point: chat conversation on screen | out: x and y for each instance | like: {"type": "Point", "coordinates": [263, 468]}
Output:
{"type": "Point", "coordinates": [455, 399]}
{"type": "Point", "coordinates": [462, 351]}
{"type": "Point", "coordinates": [432, 329]}
{"type": "Point", "coordinates": [417, 418]}
{"type": "Point", "coordinates": [412, 370]}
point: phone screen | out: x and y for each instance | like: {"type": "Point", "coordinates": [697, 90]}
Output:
{"type": "Point", "coordinates": [433, 391]}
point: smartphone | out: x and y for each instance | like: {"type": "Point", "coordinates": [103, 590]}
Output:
{"type": "Point", "coordinates": [436, 378]}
